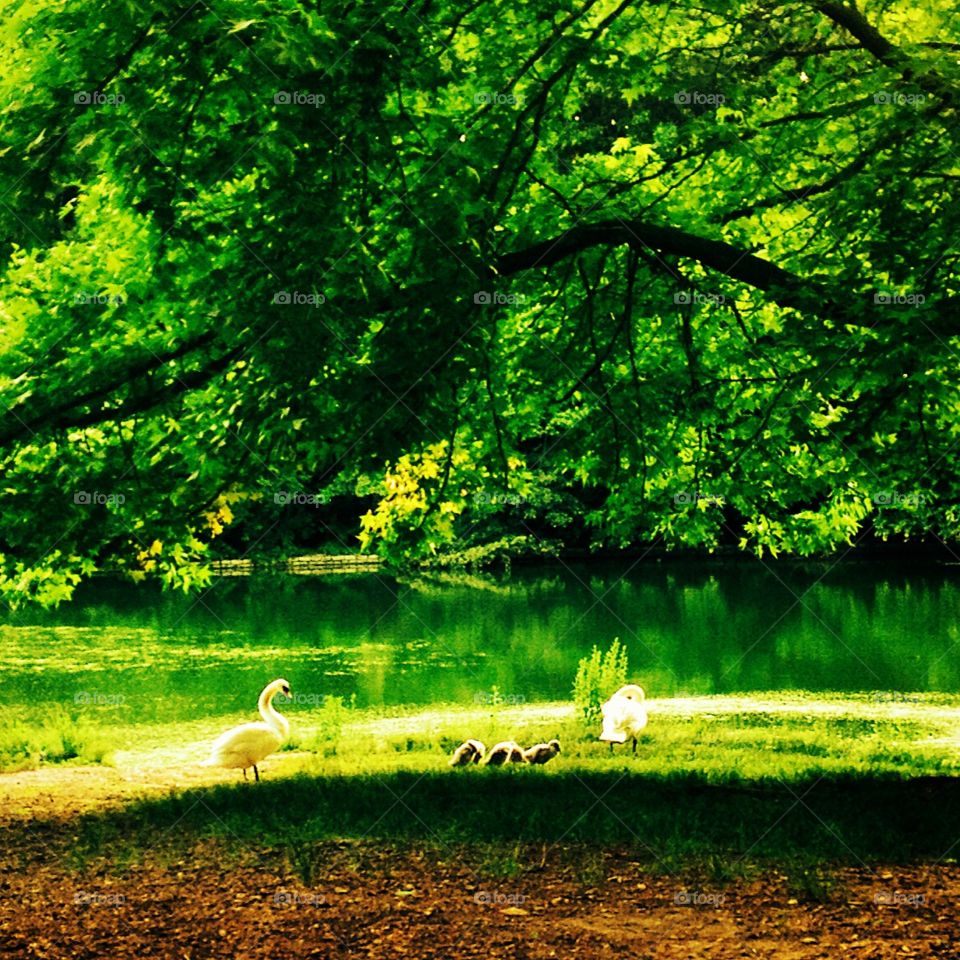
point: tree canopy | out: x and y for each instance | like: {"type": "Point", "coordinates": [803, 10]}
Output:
{"type": "Point", "coordinates": [470, 274]}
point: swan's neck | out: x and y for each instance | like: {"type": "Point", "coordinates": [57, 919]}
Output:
{"type": "Point", "coordinates": [276, 720]}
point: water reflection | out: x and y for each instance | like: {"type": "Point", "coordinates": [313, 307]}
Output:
{"type": "Point", "coordinates": [690, 629]}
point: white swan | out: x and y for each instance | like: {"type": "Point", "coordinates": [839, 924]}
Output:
{"type": "Point", "coordinates": [624, 715]}
{"type": "Point", "coordinates": [470, 751]}
{"type": "Point", "coordinates": [542, 752]}
{"type": "Point", "coordinates": [246, 745]}
{"type": "Point", "coordinates": [506, 752]}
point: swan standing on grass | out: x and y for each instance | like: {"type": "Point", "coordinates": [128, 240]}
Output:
{"type": "Point", "coordinates": [470, 751]}
{"type": "Point", "coordinates": [624, 715]}
{"type": "Point", "coordinates": [246, 745]}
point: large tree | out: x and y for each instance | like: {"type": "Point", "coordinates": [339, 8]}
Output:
{"type": "Point", "coordinates": [602, 271]}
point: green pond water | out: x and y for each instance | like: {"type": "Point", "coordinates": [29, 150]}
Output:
{"type": "Point", "coordinates": [689, 628]}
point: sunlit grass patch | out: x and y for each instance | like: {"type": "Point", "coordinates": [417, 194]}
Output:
{"type": "Point", "coordinates": [55, 736]}
{"type": "Point", "coordinates": [723, 745]}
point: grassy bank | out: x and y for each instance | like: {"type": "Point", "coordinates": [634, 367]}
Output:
{"type": "Point", "coordinates": [729, 779]}
{"type": "Point", "coordinates": [718, 739]}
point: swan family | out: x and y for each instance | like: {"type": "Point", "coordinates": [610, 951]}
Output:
{"type": "Point", "coordinates": [507, 751]}
{"type": "Point", "coordinates": [244, 746]}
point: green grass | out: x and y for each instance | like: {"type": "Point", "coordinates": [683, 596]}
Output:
{"type": "Point", "coordinates": [58, 736]}
{"type": "Point", "coordinates": [718, 739]}
{"type": "Point", "coordinates": [665, 820]}
{"type": "Point", "coordinates": [719, 782]}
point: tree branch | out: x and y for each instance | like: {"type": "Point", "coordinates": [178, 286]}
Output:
{"type": "Point", "coordinates": [809, 296]}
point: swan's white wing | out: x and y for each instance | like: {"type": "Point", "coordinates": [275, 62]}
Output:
{"type": "Point", "coordinates": [613, 721]}
{"type": "Point", "coordinates": [245, 745]}
{"type": "Point", "coordinates": [637, 719]}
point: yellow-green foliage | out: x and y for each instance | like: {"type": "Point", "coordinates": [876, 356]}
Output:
{"type": "Point", "coordinates": [598, 676]}
{"type": "Point", "coordinates": [54, 737]}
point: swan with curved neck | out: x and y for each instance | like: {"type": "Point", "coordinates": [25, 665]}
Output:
{"type": "Point", "coordinates": [246, 745]}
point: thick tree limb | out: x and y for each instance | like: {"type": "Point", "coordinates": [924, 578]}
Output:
{"type": "Point", "coordinates": [809, 296]}
{"type": "Point", "coordinates": [890, 55]}
{"type": "Point", "coordinates": [24, 419]}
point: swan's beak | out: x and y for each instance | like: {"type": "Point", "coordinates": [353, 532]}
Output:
{"type": "Point", "coordinates": [286, 691]}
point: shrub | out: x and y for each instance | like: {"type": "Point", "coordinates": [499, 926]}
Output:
{"type": "Point", "coordinates": [598, 676]}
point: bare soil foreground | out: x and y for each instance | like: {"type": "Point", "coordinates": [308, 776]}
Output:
{"type": "Point", "coordinates": [370, 901]}
{"type": "Point", "coordinates": [189, 899]}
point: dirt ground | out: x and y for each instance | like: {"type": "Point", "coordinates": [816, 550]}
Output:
{"type": "Point", "coordinates": [367, 899]}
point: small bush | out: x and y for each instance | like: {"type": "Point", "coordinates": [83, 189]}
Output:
{"type": "Point", "coordinates": [598, 676]}
{"type": "Point", "coordinates": [323, 737]}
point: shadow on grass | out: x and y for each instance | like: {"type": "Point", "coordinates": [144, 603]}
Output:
{"type": "Point", "coordinates": [845, 820]}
